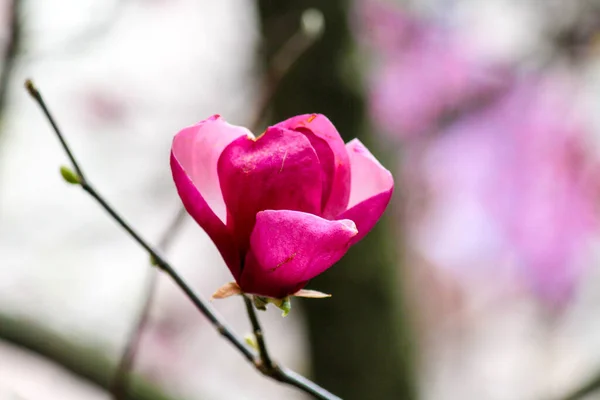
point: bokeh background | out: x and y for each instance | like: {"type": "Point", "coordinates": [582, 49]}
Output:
{"type": "Point", "coordinates": [480, 282]}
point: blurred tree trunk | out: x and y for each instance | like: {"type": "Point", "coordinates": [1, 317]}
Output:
{"type": "Point", "coordinates": [88, 363]}
{"type": "Point", "coordinates": [13, 11]}
{"type": "Point", "coordinates": [360, 342]}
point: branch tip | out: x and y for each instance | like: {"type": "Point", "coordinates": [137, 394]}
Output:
{"type": "Point", "coordinates": [31, 89]}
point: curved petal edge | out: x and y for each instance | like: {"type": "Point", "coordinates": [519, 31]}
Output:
{"type": "Point", "coordinates": [194, 157]}
{"type": "Point", "coordinates": [288, 248]}
{"type": "Point", "coordinates": [372, 188]}
{"type": "Point", "coordinates": [333, 156]}
{"type": "Point", "coordinates": [197, 148]}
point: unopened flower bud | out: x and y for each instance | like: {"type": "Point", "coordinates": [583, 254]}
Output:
{"type": "Point", "coordinates": [69, 175]}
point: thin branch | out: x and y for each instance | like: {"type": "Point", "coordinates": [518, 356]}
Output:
{"type": "Point", "coordinates": [281, 63]}
{"type": "Point", "coordinates": [33, 92]}
{"type": "Point", "coordinates": [200, 304]}
{"type": "Point", "coordinates": [280, 374]}
{"type": "Point", "coordinates": [266, 365]}
{"type": "Point", "coordinates": [266, 361]}
{"type": "Point", "coordinates": [121, 380]}
{"type": "Point", "coordinates": [293, 378]}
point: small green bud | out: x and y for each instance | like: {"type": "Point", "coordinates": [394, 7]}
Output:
{"type": "Point", "coordinates": [153, 261]}
{"type": "Point", "coordinates": [250, 339]}
{"type": "Point", "coordinates": [69, 175]}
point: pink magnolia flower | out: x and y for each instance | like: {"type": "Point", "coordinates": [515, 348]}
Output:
{"type": "Point", "coordinates": [281, 208]}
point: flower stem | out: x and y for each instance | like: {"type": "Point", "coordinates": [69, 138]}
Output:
{"type": "Point", "coordinates": [266, 365]}
{"type": "Point", "coordinates": [266, 361]}
{"type": "Point", "coordinates": [278, 373]}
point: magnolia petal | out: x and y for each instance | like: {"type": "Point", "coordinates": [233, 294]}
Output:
{"type": "Point", "coordinates": [372, 187]}
{"type": "Point", "coordinates": [197, 149]}
{"type": "Point", "coordinates": [288, 248]}
{"type": "Point", "coordinates": [279, 170]}
{"type": "Point", "coordinates": [311, 294]}
{"type": "Point", "coordinates": [333, 157]}
{"type": "Point", "coordinates": [194, 157]}
{"type": "Point", "coordinates": [227, 290]}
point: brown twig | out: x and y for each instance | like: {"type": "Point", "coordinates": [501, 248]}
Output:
{"type": "Point", "coordinates": [281, 63]}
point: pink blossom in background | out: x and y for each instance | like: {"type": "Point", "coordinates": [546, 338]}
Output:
{"type": "Point", "coordinates": [424, 73]}
{"type": "Point", "coordinates": [523, 163]}
{"type": "Point", "coordinates": [103, 107]}
{"type": "Point", "coordinates": [281, 208]}
{"type": "Point", "coordinates": [551, 208]}
{"type": "Point", "coordinates": [385, 28]}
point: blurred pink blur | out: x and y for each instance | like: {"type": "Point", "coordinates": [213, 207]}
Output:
{"type": "Point", "coordinates": [499, 154]}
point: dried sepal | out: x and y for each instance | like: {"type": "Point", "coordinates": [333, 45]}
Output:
{"type": "Point", "coordinates": [227, 290]}
{"type": "Point", "coordinates": [311, 294]}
